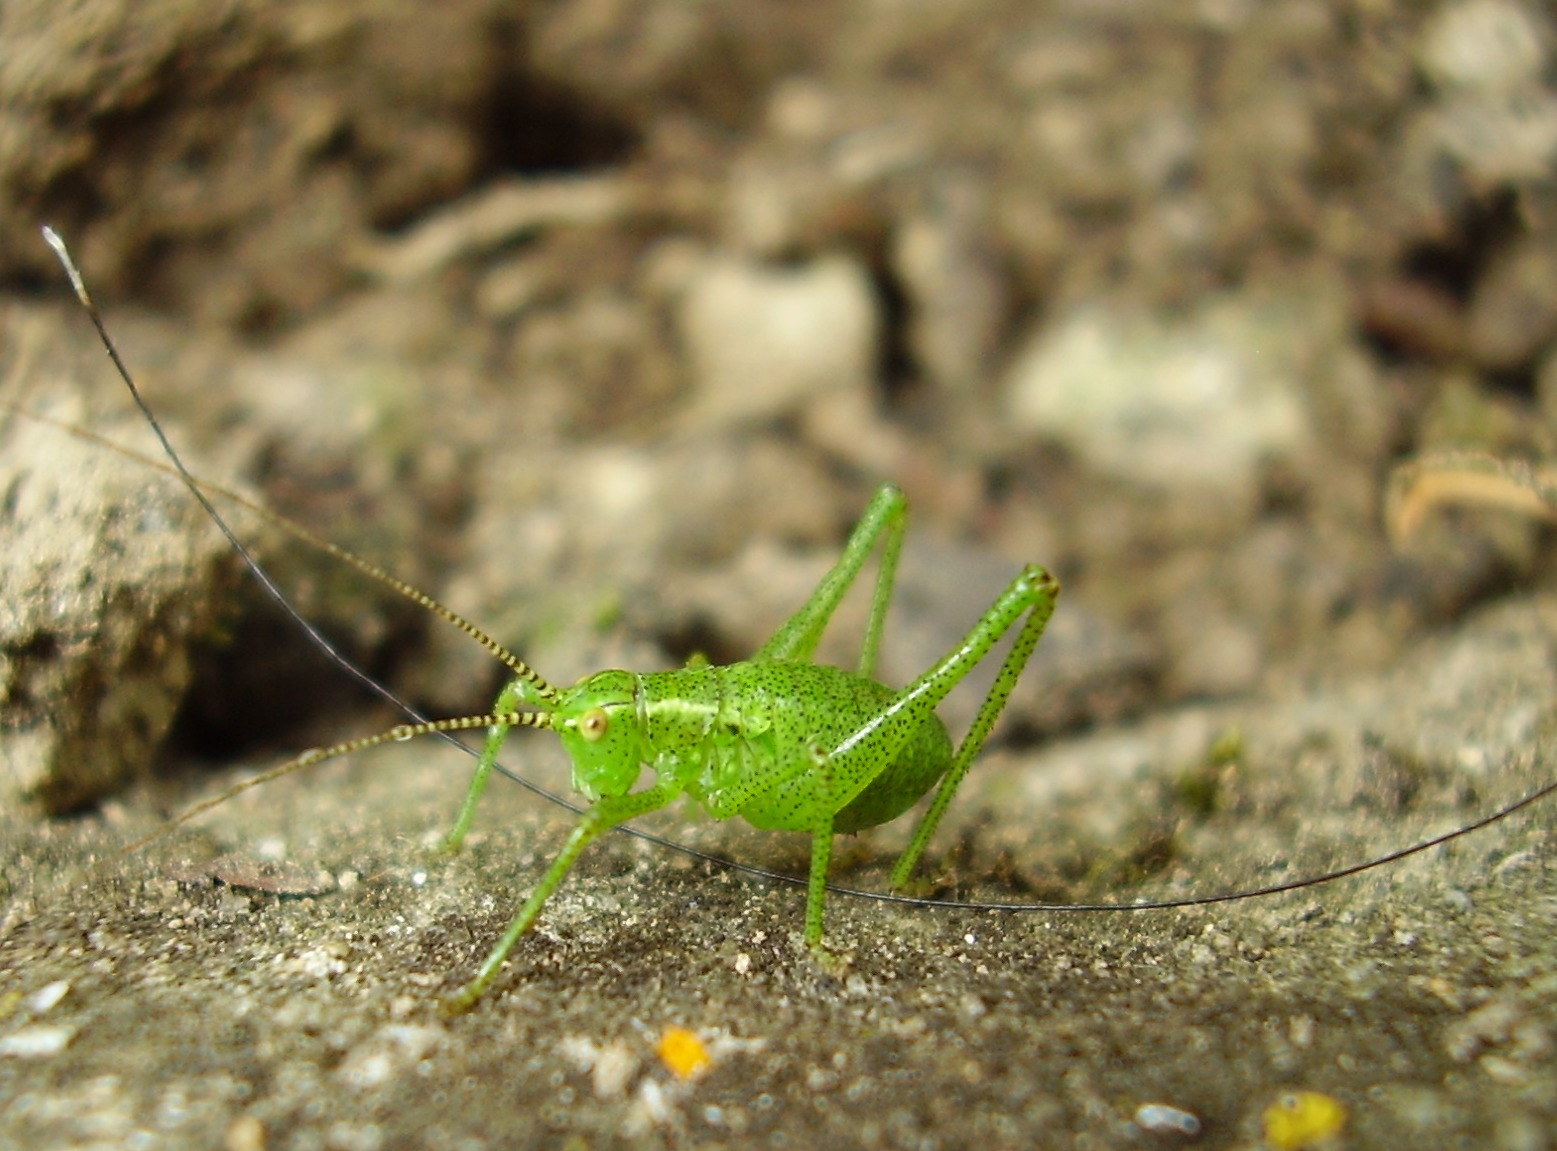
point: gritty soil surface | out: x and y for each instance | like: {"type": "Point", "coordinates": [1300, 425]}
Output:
{"type": "Point", "coordinates": [602, 321]}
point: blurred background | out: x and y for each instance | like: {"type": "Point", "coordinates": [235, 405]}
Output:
{"type": "Point", "coordinates": [602, 319]}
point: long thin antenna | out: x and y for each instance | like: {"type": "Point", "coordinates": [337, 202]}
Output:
{"type": "Point", "coordinates": [184, 474]}
{"type": "Point", "coordinates": [316, 755]}
{"type": "Point", "coordinates": [1497, 816]}
{"type": "Point", "coordinates": [372, 570]}
{"type": "Point", "coordinates": [422, 725]}
{"type": "Point", "coordinates": [257, 570]}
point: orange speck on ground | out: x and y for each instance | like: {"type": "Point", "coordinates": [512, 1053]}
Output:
{"type": "Point", "coordinates": [683, 1053]}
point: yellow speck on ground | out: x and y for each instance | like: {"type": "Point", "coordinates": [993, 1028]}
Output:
{"type": "Point", "coordinates": [1299, 1120]}
{"type": "Point", "coordinates": [683, 1053]}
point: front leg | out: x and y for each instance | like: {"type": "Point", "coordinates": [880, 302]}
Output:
{"type": "Point", "coordinates": [515, 694]}
{"type": "Point", "coordinates": [607, 813]}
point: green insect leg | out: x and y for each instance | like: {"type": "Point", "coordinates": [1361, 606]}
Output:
{"type": "Point", "coordinates": [797, 638]}
{"type": "Point", "coordinates": [515, 694]}
{"type": "Point", "coordinates": [862, 756]}
{"type": "Point", "coordinates": [821, 857]}
{"type": "Point", "coordinates": [816, 767]}
{"type": "Point", "coordinates": [604, 815]}
{"type": "Point", "coordinates": [1038, 590]}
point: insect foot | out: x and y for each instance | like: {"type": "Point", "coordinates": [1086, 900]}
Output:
{"type": "Point", "coordinates": [833, 963]}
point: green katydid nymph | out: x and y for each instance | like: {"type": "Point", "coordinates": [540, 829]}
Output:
{"type": "Point", "coordinates": [779, 740]}
{"type": "Point", "coordinates": [784, 743]}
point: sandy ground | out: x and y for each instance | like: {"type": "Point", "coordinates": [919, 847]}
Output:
{"type": "Point", "coordinates": [198, 1005]}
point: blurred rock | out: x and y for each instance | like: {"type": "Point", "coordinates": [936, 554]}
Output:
{"type": "Point", "coordinates": [956, 293]}
{"type": "Point", "coordinates": [1495, 117]}
{"type": "Point", "coordinates": [1484, 46]}
{"type": "Point", "coordinates": [762, 341]}
{"type": "Point", "coordinates": [1513, 311]}
{"type": "Point", "coordinates": [106, 582]}
{"type": "Point", "coordinates": [1192, 405]}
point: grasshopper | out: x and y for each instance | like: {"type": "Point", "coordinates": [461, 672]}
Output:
{"type": "Point", "coordinates": [779, 740]}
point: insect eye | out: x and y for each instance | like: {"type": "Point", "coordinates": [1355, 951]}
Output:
{"type": "Point", "coordinates": [593, 723]}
